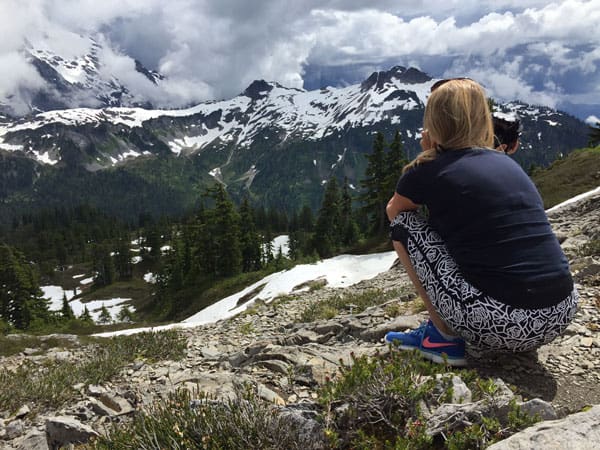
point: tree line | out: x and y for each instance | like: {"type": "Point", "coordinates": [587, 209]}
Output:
{"type": "Point", "coordinates": [220, 240]}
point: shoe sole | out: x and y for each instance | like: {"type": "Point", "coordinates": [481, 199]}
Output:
{"type": "Point", "coordinates": [437, 357]}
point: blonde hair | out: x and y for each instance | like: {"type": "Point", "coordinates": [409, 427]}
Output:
{"type": "Point", "coordinates": [456, 116]}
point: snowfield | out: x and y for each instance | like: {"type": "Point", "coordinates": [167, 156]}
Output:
{"type": "Point", "coordinates": [339, 271]}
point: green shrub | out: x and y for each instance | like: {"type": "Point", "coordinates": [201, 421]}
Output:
{"type": "Point", "coordinates": [375, 404]}
{"type": "Point", "coordinates": [380, 398]}
{"type": "Point", "coordinates": [245, 422]}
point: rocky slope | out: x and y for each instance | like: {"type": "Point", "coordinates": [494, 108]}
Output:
{"type": "Point", "coordinates": [287, 360]}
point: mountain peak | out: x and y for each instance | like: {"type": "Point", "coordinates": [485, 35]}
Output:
{"type": "Point", "coordinates": [409, 75]}
{"type": "Point", "coordinates": [258, 89]}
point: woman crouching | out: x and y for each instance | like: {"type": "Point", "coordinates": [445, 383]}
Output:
{"type": "Point", "coordinates": [485, 262]}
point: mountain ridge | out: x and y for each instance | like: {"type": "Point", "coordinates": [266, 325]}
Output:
{"type": "Point", "coordinates": [276, 144]}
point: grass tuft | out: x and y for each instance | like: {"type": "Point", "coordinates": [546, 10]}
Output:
{"type": "Point", "coordinates": [51, 384]}
{"type": "Point", "coordinates": [180, 422]}
{"type": "Point", "coordinates": [353, 303]}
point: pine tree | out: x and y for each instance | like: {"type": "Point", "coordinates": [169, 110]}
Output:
{"type": "Point", "coordinates": [306, 219]}
{"type": "Point", "coordinates": [326, 240]}
{"type": "Point", "coordinates": [395, 160]}
{"type": "Point", "coordinates": [125, 314]}
{"type": "Point", "coordinates": [86, 316]}
{"type": "Point", "coordinates": [594, 135]}
{"type": "Point", "coordinates": [103, 265]}
{"type": "Point", "coordinates": [376, 194]}
{"type": "Point", "coordinates": [348, 226]}
{"type": "Point", "coordinates": [267, 247]}
{"type": "Point", "coordinates": [226, 235]}
{"type": "Point", "coordinates": [66, 311]}
{"type": "Point", "coordinates": [294, 251]}
{"type": "Point", "coordinates": [21, 301]}
{"type": "Point", "coordinates": [105, 316]}
{"type": "Point", "coordinates": [123, 264]}
{"type": "Point", "coordinates": [249, 239]}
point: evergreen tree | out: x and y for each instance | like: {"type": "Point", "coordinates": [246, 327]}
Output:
{"type": "Point", "coordinates": [103, 265]}
{"type": "Point", "coordinates": [125, 314]}
{"type": "Point", "coordinates": [395, 160]}
{"type": "Point", "coordinates": [249, 239]}
{"type": "Point", "coordinates": [123, 264]}
{"type": "Point", "coordinates": [226, 235]}
{"type": "Point", "coordinates": [594, 135]}
{"type": "Point", "coordinates": [326, 240]}
{"type": "Point", "coordinates": [66, 311]}
{"type": "Point", "coordinates": [294, 249]}
{"type": "Point", "coordinates": [376, 193]}
{"type": "Point", "coordinates": [306, 219]}
{"type": "Point", "coordinates": [105, 316]}
{"type": "Point", "coordinates": [205, 253]}
{"type": "Point", "coordinates": [153, 241]}
{"type": "Point", "coordinates": [21, 301]}
{"type": "Point", "coordinates": [86, 316]}
{"type": "Point", "coordinates": [267, 247]}
{"type": "Point", "coordinates": [348, 226]}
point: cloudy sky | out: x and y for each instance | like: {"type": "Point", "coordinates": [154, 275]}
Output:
{"type": "Point", "coordinates": [538, 51]}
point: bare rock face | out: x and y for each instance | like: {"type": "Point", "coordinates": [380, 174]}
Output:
{"type": "Point", "coordinates": [579, 431]}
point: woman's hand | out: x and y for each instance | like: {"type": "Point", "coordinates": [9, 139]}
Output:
{"type": "Point", "coordinates": [397, 204]}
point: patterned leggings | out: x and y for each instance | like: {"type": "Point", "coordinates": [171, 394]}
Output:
{"type": "Point", "coordinates": [482, 321]}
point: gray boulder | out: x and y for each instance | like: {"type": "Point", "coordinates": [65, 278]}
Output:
{"type": "Point", "coordinates": [64, 430]}
{"type": "Point", "coordinates": [579, 431]}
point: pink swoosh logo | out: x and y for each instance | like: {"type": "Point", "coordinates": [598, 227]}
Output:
{"type": "Point", "coordinates": [428, 344]}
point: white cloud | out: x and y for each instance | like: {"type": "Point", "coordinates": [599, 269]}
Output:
{"type": "Point", "coordinates": [592, 120]}
{"type": "Point", "coordinates": [214, 49]}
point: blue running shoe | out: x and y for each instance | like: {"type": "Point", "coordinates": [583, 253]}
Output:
{"type": "Point", "coordinates": [430, 344]}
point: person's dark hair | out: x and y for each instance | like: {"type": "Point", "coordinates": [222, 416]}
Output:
{"type": "Point", "coordinates": [507, 129]}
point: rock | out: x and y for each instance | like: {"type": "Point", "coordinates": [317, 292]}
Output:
{"type": "Point", "coordinates": [116, 403]}
{"type": "Point", "coordinates": [22, 412]}
{"type": "Point", "coordinates": [64, 430]}
{"type": "Point", "coordinates": [210, 352]}
{"type": "Point", "coordinates": [95, 390]}
{"type": "Point", "coordinates": [301, 337]}
{"type": "Point", "coordinates": [14, 429]}
{"type": "Point", "coordinates": [449, 417]}
{"type": "Point", "coordinates": [110, 405]}
{"type": "Point", "coordinates": [331, 326]}
{"type": "Point", "coordinates": [579, 431]}
{"type": "Point", "coordinates": [267, 394]}
{"type": "Point", "coordinates": [237, 359]}
{"type": "Point", "coordinates": [275, 365]}
{"type": "Point", "coordinates": [399, 323]}
{"type": "Point", "coordinates": [309, 432]}
{"type": "Point", "coordinates": [540, 407]}
{"type": "Point", "coordinates": [34, 440]}
{"type": "Point", "coordinates": [460, 392]}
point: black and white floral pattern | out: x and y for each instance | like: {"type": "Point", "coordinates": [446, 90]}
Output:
{"type": "Point", "coordinates": [481, 320]}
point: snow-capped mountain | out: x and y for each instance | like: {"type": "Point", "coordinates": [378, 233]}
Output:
{"type": "Point", "coordinates": [275, 142]}
{"type": "Point", "coordinates": [294, 113]}
{"type": "Point", "coordinates": [87, 73]}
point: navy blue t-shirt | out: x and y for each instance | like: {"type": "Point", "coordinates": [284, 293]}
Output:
{"type": "Point", "coordinates": [491, 217]}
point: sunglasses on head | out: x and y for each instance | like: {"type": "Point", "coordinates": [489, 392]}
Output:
{"type": "Point", "coordinates": [439, 83]}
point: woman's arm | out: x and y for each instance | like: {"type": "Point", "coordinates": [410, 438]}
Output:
{"type": "Point", "coordinates": [397, 204]}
